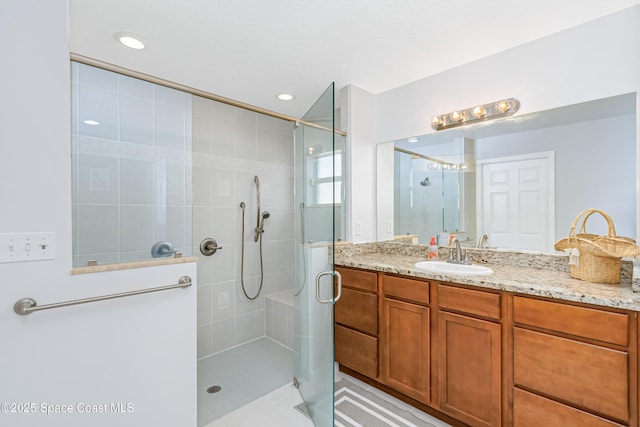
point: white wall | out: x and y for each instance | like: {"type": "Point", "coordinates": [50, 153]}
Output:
{"type": "Point", "coordinates": [591, 61]}
{"type": "Point", "coordinates": [138, 350]}
{"type": "Point", "coordinates": [361, 175]}
{"type": "Point", "coordinates": [385, 191]}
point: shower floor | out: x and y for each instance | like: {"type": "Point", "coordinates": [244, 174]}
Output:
{"type": "Point", "coordinates": [244, 373]}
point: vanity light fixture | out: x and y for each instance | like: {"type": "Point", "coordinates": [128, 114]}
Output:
{"type": "Point", "coordinates": [478, 113]}
{"type": "Point", "coordinates": [130, 40]}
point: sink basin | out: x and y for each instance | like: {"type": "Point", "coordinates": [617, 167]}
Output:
{"type": "Point", "coordinates": [449, 268]}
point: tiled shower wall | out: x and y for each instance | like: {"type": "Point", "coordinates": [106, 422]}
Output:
{"type": "Point", "coordinates": [231, 146]}
{"type": "Point", "coordinates": [131, 175]}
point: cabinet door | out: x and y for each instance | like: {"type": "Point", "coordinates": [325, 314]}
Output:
{"type": "Point", "coordinates": [405, 348]}
{"type": "Point", "coordinates": [470, 369]}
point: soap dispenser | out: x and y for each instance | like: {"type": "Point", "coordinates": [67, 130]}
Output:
{"type": "Point", "coordinates": [433, 248]}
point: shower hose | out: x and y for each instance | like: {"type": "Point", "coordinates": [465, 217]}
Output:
{"type": "Point", "coordinates": [244, 290]}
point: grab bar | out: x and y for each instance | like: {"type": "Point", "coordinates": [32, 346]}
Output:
{"type": "Point", "coordinates": [28, 305]}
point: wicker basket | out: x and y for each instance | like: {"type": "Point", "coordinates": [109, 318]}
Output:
{"type": "Point", "coordinates": [599, 259]}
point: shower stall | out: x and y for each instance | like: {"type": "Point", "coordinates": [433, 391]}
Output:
{"type": "Point", "coordinates": [242, 199]}
{"type": "Point", "coordinates": [257, 306]}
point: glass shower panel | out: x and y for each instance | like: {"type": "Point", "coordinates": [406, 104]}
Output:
{"type": "Point", "coordinates": [131, 148]}
{"type": "Point", "coordinates": [316, 177]}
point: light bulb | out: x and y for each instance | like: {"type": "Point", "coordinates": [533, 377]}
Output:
{"type": "Point", "coordinates": [503, 106]}
{"type": "Point", "coordinates": [479, 111]}
{"type": "Point", "coordinates": [456, 116]}
{"type": "Point", "coordinates": [436, 121]}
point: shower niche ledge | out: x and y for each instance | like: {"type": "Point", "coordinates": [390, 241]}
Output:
{"type": "Point", "coordinates": [133, 264]}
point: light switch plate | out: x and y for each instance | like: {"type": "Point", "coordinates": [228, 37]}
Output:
{"type": "Point", "coordinates": [18, 247]}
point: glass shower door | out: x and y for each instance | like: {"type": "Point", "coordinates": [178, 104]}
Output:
{"type": "Point", "coordinates": [317, 198]}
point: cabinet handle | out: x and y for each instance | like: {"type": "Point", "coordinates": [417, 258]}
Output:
{"type": "Point", "coordinates": [337, 297]}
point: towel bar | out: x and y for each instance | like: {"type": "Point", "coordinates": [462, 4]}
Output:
{"type": "Point", "coordinates": [29, 305]}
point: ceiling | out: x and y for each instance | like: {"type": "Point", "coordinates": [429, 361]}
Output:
{"type": "Point", "coordinates": [251, 50]}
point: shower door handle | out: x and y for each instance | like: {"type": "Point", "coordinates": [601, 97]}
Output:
{"type": "Point", "coordinates": [337, 297]}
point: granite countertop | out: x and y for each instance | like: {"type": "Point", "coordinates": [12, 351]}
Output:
{"type": "Point", "coordinates": [518, 279]}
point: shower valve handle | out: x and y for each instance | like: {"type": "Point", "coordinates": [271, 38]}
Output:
{"type": "Point", "coordinates": [209, 246]}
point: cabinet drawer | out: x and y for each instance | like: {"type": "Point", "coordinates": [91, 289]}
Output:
{"type": "Point", "coordinates": [356, 351]}
{"type": "Point", "coordinates": [584, 322]}
{"type": "Point", "coordinates": [406, 289]}
{"type": "Point", "coordinates": [585, 375]}
{"type": "Point", "coordinates": [531, 410]}
{"type": "Point", "coordinates": [470, 301]}
{"type": "Point", "coordinates": [358, 310]}
{"type": "Point", "coordinates": [359, 279]}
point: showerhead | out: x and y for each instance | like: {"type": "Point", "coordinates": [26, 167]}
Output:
{"type": "Point", "coordinates": [260, 228]}
{"type": "Point", "coordinates": [425, 182]}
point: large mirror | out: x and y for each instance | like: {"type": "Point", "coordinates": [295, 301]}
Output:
{"type": "Point", "coordinates": [521, 180]}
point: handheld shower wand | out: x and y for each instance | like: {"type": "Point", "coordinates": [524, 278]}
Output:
{"type": "Point", "coordinates": [260, 227]}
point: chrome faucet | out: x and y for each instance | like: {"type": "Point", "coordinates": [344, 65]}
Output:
{"type": "Point", "coordinates": [483, 241]}
{"type": "Point", "coordinates": [460, 256]}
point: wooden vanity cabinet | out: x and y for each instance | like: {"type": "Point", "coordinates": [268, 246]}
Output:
{"type": "Point", "coordinates": [356, 322]}
{"type": "Point", "coordinates": [573, 365]}
{"type": "Point", "coordinates": [405, 336]}
{"type": "Point", "coordinates": [489, 358]}
{"type": "Point", "coordinates": [470, 355]}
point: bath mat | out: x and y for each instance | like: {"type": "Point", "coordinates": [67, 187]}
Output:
{"type": "Point", "coordinates": [355, 406]}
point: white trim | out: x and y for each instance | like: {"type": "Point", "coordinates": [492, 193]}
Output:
{"type": "Point", "coordinates": [550, 156]}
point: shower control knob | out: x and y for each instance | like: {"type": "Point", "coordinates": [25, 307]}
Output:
{"type": "Point", "coordinates": [162, 249]}
{"type": "Point", "coordinates": [209, 246]}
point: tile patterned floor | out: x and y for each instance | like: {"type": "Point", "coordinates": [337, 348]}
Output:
{"type": "Point", "coordinates": [244, 374]}
{"type": "Point", "coordinates": [257, 391]}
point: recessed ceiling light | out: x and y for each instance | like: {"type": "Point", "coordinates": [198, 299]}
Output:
{"type": "Point", "coordinates": [91, 122]}
{"type": "Point", "coordinates": [130, 40]}
{"type": "Point", "coordinates": [285, 96]}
